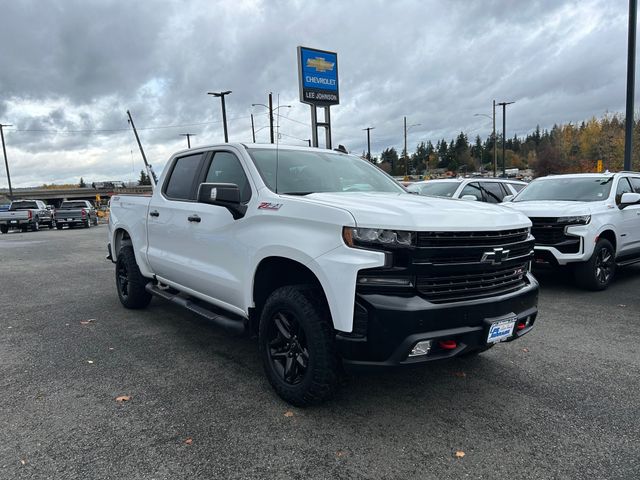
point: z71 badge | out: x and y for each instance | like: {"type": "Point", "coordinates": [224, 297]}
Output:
{"type": "Point", "coordinates": [269, 206]}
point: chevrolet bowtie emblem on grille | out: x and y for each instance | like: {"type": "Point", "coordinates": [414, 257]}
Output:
{"type": "Point", "coordinates": [496, 256]}
{"type": "Point", "coordinates": [320, 64]}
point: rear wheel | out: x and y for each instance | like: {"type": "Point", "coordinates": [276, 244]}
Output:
{"type": "Point", "coordinates": [129, 281]}
{"type": "Point", "coordinates": [4, 228]}
{"type": "Point", "coordinates": [51, 224]}
{"type": "Point", "coordinates": [597, 273]}
{"type": "Point", "coordinates": [35, 226]}
{"type": "Point", "coordinates": [87, 223]}
{"type": "Point", "coordinates": [59, 226]}
{"type": "Point", "coordinates": [297, 345]}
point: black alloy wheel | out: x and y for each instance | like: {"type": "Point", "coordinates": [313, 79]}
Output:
{"type": "Point", "coordinates": [122, 278]}
{"type": "Point", "coordinates": [597, 273]}
{"type": "Point", "coordinates": [288, 351]}
{"type": "Point", "coordinates": [604, 266]}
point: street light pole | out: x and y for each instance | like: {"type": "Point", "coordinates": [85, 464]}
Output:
{"type": "Point", "coordinates": [221, 95]}
{"type": "Point", "coordinates": [368, 129]}
{"type": "Point", "coordinates": [631, 80]}
{"type": "Point", "coordinates": [6, 162]}
{"type": "Point", "coordinates": [504, 134]}
{"type": "Point", "coordinates": [495, 147]}
{"type": "Point", "coordinates": [188, 135]}
{"type": "Point", "coordinates": [406, 156]}
{"type": "Point", "coordinates": [253, 129]}
{"type": "Point", "coordinates": [271, 110]}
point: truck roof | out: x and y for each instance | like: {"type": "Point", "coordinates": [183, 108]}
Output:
{"type": "Point", "coordinates": [269, 146]}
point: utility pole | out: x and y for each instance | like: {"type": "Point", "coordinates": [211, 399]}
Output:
{"type": "Point", "coordinates": [271, 115]}
{"type": "Point", "coordinates": [6, 162]}
{"type": "Point", "coordinates": [504, 134]}
{"type": "Point", "coordinates": [631, 80]}
{"type": "Point", "coordinates": [188, 135]}
{"type": "Point", "coordinates": [253, 129]}
{"type": "Point", "coordinates": [368, 129]}
{"type": "Point", "coordinates": [495, 146]}
{"type": "Point", "coordinates": [221, 95]}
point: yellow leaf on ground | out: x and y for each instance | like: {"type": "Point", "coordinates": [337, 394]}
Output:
{"type": "Point", "coordinates": [123, 398]}
{"type": "Point", "coordinates": [288, 413]}
{"type": "Point", "coordinates": [459, 454]}
{"type": "Point", "coordinates": [87, 322]}
{"type": "Point", "coordinates": [188, 441]}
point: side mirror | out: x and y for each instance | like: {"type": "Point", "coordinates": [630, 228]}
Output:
{"type": "Point", "coordinates": [507, 198]}
{"type": "Point", "coordinates": [470, 198]}
{"type": "Point", "coordinates": [224, 195]}
{"type": "Point", "coordinates": [629, 199]}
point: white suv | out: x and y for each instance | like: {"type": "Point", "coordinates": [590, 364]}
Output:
{"type": "Point", "coordinates": [490, 190]}
{"type": "Point", "coordinates": [590, 220]}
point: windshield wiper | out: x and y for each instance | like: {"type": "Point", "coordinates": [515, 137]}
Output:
{"type": "Point", "coordinates": [296, 193]}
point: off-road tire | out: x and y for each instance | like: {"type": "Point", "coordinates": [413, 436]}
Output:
{"type": "Point", "coordinates": [305, 306]}
{"type": "Point", "coordinates": [129, 281]}
{"type": "Point", "coordinates": [598, 272]}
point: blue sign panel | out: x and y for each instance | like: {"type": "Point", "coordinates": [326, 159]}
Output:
{"type": "Point", "coordinates": [318, 71]}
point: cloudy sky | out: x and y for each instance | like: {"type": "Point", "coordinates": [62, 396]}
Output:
{"type": "Point", "coordinates": [71, 68]}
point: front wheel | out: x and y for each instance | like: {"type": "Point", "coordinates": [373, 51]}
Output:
{"type": "Point", "coordinates": [597, 273]}
{"type": "Point", "coordinates": [35, 226]}
{"type": "Point", "coordinates": [297, 345]}
{"type": "Point", "coordinates": [130, 283]}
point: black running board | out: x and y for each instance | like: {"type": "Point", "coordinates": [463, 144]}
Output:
{"type": "Point", "coordinates": [235, 326]}
{"type": "Point", "coordinates": [630, 261]}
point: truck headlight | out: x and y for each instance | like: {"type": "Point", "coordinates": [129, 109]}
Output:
{"type": "Point", "coordinates": [576, 220]}
{"type": "Point", "coordinates": [372, 237]}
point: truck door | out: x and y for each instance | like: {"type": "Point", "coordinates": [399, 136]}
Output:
{"type": "Point", "coordinates": [217, 257]}
{"type": "Point", "coordinates": [630, 217]}
{"type": "Point", "coordinates": [168, 227]}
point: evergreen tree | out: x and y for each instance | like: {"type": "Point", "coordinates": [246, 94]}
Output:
{"type": "Point", "coordinates": [144, 178]}
{"type": "Point", "coordinates": [82, 184]}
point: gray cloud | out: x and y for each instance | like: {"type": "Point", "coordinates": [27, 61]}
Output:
{"type": "Point", "coordinates": [76, 65]}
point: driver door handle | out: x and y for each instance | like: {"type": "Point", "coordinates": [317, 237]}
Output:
{"type": "Point", "coordinates": [154, 213]}
{"type": "Point", "coordinates": [194, 218]}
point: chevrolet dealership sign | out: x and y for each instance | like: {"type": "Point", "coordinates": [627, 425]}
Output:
{"type": "Point", "coordinates": [318, 76]}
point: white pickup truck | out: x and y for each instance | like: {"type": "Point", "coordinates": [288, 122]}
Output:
{"type": "Point", "coordinates": [590, 221]}
{"type": "Point", "coordinates": [327, 259]}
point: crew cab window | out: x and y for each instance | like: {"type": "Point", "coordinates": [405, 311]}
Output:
{"type": "Point", "coordinates": [635, 183]}
{"type": "Point", "coordinates": [623, 187]}
{"type": "Point", "coordinates": [226, 168]}
{"type": "Point", "coordinates": [24, 205]}
{"type": "Point", "coordinates": [472, 189]}
{"type": "Point", "coordinates": [492, 191]}
{"type": "Point", "coordinates": [180, 185]}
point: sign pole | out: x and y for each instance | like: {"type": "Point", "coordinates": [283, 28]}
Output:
{"type": "Point", "coordinates": [314, 126]}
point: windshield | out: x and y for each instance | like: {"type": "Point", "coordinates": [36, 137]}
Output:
{"type": "Point", "coordinates": [435, 189]}
{"type": "Point", "coordinates": [576, 189]}
{"type": "Point", "coordinates": [302, 172]}
{"type": "Point", "coordinates": [73, 205]}
{"type": "Point", "coordinates": [22, 206]}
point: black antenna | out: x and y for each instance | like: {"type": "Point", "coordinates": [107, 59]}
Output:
{"type": "Point", "coordinates": [149, 168]}
{"type": "Point", "coordinates": [277, 142]}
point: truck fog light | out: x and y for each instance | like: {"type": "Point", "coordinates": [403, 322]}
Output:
{"type": "Point", "coordinates": [385, 281]}
{"type": "Point", "coordinates": [421, 348]}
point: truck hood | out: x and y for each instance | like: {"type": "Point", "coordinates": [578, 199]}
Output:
{"type": "Point", "coordinates": [402, 211]}
{"type": "Point", "coordinates": [550, 208]}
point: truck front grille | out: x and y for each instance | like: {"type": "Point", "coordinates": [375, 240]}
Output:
{"type": "Point", "coordinates": [548, 232]}
{"type": "Point", "coordinates": [457, 287]}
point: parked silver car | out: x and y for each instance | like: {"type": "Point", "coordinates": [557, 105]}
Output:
{"type": "Point", "coordinates": [490, 190]}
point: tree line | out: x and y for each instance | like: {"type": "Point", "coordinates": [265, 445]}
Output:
{"type": "Point", "coordinates": [565, 148]}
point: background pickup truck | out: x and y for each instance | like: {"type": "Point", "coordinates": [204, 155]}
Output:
{"type": "Point", "coordinates": [76, 213]}
{"type": "Point", "coordinates": [327, 259]}
{"type": "Point", "coordinates": [25, 215]}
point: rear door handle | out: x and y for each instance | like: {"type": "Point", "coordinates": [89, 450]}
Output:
{"type": "Point", "coordinates": [155, 213]}
{"type": "Point", "coordinates": [194, 218]}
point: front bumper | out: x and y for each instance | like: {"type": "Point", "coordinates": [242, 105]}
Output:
{"type": "Point", "coordinates": [389, 326]}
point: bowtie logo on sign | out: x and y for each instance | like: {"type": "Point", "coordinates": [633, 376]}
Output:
{"type": "Point", "coordinates": [320, 64]}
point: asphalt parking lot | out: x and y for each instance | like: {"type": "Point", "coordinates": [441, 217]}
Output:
{"type": "Point", "coordinates": [563, 402]}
